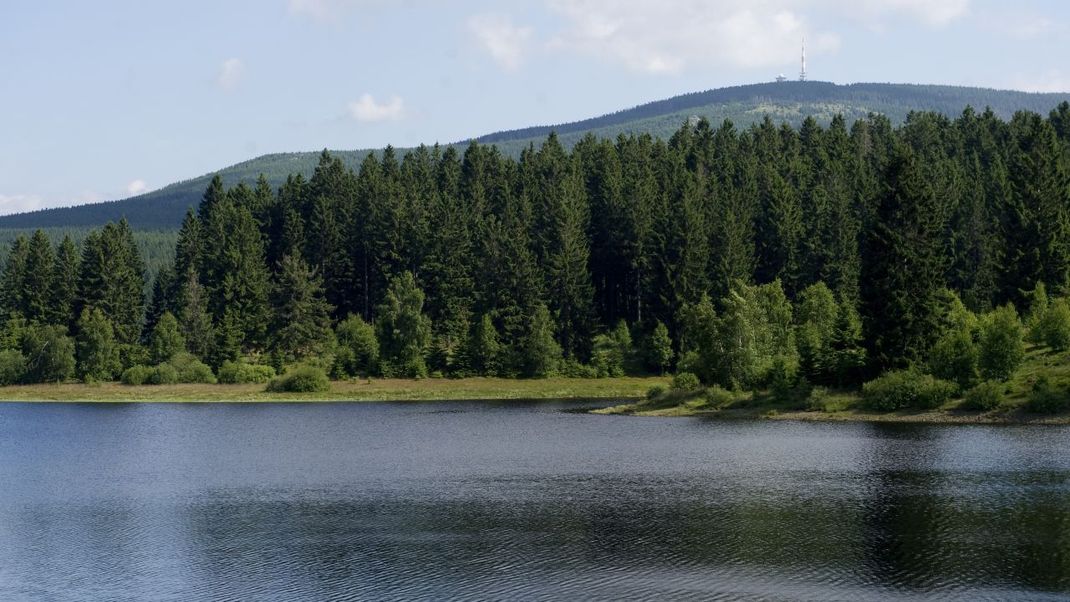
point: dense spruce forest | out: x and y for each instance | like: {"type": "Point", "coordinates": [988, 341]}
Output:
{"type": "Point", "coordinates": [790, 102]}
{"type": "Point", "coordinates": [765, 257]}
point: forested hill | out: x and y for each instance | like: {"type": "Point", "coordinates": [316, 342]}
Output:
{"type": "Point", "coordinates": [789, 102]}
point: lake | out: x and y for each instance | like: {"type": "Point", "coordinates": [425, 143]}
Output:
{"type": "Point", "coordinates": [516, 500]}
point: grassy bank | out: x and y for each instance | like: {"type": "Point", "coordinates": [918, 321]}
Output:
{"type": "Point", "coordinates": [355, 390]}
{"type": "Point", "coordinates": [847, 405]}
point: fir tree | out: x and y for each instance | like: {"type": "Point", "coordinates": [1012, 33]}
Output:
{"type": "Point", "coordinates": [540, 355]}
{"type": "Point", "coordinates": [64, 286]}
{"type": "Point", "coordinates": [404, 332]}
{"type": "Point", "coordinates": [39, 279]}
{"type": "Point", "coordinates": [194, 320]}
{"type": "Point", "coordinates": [302, 324]}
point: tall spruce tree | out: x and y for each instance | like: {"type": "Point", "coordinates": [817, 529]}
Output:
{"type": "Point", "coordinates": [903, 274]}
{"type": "Point", "coordinates": [39, 279]}
{"type": "Point", "coordinates": [65, 283]}
{"type": "Point", "coordinates": [302, 317]}
{"type": "Point", "coordinates": [112, 279]}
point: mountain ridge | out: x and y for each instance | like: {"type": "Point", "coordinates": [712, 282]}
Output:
{"type": "Point", "coordinates": [789, 102]}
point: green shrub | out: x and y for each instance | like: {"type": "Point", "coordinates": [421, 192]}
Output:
{"type": "Point", "coordinates": [12, 367]}
{"type": "Point", "coordinates": [818, 399]}
{"type": "Point", "coordinates": [906, 389]}
{"type": "Point", "coordinates": [137, 375]}
{"type": "Point", "coordinates": [300, 379]}
{"type": "Point", "coordinates": [686, 381]}
{"type": "Point", "coordinates": [164, 374]}
{"type": "Point", "coordinates": [1054, 326]}
{"type": "Point", "coordinates": [984, 397]}
{"type": "Point", "coordinates": [783, 377]}
{"type": "Point", "coordinates": [655, 392]}
{"type": "Point", "coordinates": [1046, 398]}
{"type": "Point", "coordinates": [571, 368]}
{"type": "Point", "coordinates": [1001, 349]}
{"type": "Point", "coordinates": [954, 358]}
{"type": "Point", "coordinates": [234, 373]}
{"type": "Point", "coordinates": [189, 369]}
{"type": "Point", "coordinates": [717, 397]}
{"type": "Point", "coordinates": [691, 362]}
{"type": "Point", "coordinates": [357, 349]}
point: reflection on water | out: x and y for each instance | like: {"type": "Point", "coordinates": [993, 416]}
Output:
{"type": "Point", "coordinates": [468, 500]}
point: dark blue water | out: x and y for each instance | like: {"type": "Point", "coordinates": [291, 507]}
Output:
{"type": "Point", "coordinates": [528, 501]}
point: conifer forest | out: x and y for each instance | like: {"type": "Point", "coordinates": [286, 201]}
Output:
{"type": "Point", "coordinates": [755, 258]}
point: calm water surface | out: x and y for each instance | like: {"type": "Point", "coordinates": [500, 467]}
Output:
{"type": "Point", "coordinates": [520, 501]}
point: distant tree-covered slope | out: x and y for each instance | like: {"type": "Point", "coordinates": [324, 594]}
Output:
{"type": "Point", "coordinates": [789, 102]}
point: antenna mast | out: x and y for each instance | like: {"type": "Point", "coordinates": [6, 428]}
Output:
{"type": "Point", "coordinates": [802, 70]}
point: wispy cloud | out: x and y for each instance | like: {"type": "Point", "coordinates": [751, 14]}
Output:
{"type": "Point", "coordinates": [326, 11]}
{"type": "Point", "coordinates": [1053, 80]}
{"type": "Point", "coordinates": [19, 203]}
{"type": "Point", "coordinates": [933, 13]}
{"type": "Point", "coordinates": [506, 43]}
{"type": "Point", "coordinates": [367, 109]}
{"type": "Point", "coordinates": [230, 74]}
{"type": "Point", "coordinates": [670, 35]}
{"type": "Point", "coordinates": [136, 187]}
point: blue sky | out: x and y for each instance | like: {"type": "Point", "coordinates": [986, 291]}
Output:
{"type": "Point", "coordinates": [108, 98]}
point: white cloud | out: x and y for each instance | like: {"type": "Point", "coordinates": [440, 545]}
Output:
{"type": "Point", "coordinates": [367, 109]}
{"type": "Point", "coordinates": [670, 35]}
{"type": "Point", "coordinates": [19, 203]}
{"type": "Point", "coordinates": [230, 74]}
{"type": "Point", "coordinates": [326, 11]}
{"type": "Point", "coordinates": [934, 13]}
{"type": "Point", "coordinates": [506, 43]}
{"type": "Point", "coordinates": [1020, 25]}
{"type": "Point", "coordinates": [136, 187]}
{"type": "Point", "coordinates": [1053, 80]}
{"type": "Point", "coordinates": [317, 9]}
{"type": "Point", "coordinates": [667, 36]}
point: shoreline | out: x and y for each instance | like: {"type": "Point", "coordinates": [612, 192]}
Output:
{"type": "Point", "coordinates": [378, 389]}
{"type": "Point", "coordinates": [948, 415]}
{"type": "Point", "coordinates": [628, 392]}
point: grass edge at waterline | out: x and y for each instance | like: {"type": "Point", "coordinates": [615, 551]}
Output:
{"type": "Point", "coordinates": [376, 389]}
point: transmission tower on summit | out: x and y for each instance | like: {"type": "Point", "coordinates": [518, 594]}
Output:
{"type": "Point", "coordinates": [802, 69]}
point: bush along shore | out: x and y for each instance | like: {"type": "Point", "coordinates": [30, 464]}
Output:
{"type": "Point", "coordinates": [1037, 393]}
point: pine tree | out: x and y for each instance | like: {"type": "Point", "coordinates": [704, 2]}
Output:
{"type": "Point", "coordinates": [404, 332]}
{"type": "Point", "coordinates": [194, 320]}
{"type": "Point", "coordinates": [540, 355]}
{"type": "Point", "coordinates": [903, 274]}
{"type": "Point", "coordinates": [111, 279]}
{"type": "Point", "coordinates": [213, 196]}
{"type": "Point", "coordinates": [659, 352]}
{"type": "Point", "coordinates": [65, 283]}
{"type": "Point", "coordinates": [160, 301]}
{"type": "Point", "coordinates": [483, 348]}
{"type": "Point", "coordinates": [1037, 229]}
{"type": "Point", "coordinates": [14, 281]}
{"type": "Point", "coordinates": [236, 276]}
{"type": "Point", "coordinates": [39, 279]}
{"type": "Point", "coordinates": [302, 323]}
